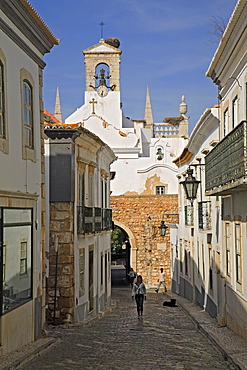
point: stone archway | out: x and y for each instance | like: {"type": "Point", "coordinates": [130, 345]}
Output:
{"type": "Point", "coordinates": [140, 217]}
{"type": "Point", "coordinates": [132, 241]}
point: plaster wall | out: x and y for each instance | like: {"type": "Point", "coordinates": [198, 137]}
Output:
{"type": "Point", "coordinates": [20, 34]}
{"type": "Point", "coordinates": [108, 108]}
{"type": "Point", "coordinates": [22, 184]}
{"type": "Point", "coordinates": [198, 249]}
{"type": "Point", "coordinates": [25, 175]}
{"type": "Point", "coordinates": [17, 328]}
{"type": "Point", "coordinates": [148, 172]}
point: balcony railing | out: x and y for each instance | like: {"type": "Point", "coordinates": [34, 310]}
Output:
{"type": "Point", "coordinates": [204, 215]}
{"type": "Point", "coordinates": [189, 215]}
{"type": "Point", "coordinates": [226, 164]}
{"type": "Point", "coordinates": [92, 220]}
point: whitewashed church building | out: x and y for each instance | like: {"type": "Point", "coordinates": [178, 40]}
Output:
{"type": "Point", "coordinates": [144, 185]}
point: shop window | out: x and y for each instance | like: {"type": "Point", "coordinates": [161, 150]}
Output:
{"type": "Point", "coordinates": [16, 280]}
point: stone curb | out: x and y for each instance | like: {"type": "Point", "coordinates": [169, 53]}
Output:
{"type": "Point", "coordinates": [28, 356]}
{"type": "Point", "coordinates": [203, 327]}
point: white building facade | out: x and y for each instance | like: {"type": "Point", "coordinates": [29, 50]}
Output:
{"type": "Point", "coordinates": [196, 242]}
{"type": "Point", "coordinates": [209, 247]}
{"type": "Point", "coordinates": [24, 41]}
{"type": "Point", "coordinates": [226, 172]}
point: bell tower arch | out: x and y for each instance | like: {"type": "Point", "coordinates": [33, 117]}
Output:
{"type": "Point", "coordinates": [107, 53]}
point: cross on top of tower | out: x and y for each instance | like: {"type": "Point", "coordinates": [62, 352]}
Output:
{"type": "Point", "coordinates": [102, 24]}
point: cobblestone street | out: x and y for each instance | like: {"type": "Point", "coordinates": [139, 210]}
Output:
{"type": "Point", "coordinates": [164, 339]}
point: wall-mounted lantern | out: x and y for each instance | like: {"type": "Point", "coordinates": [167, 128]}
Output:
{"type": "Point", "coordinates": [190, 185]}
{"type": "Point", "coordinates": [163, 228]}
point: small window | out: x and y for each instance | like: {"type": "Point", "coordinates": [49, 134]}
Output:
{"type": "Point", "coordinates": [102, 193]}
{"type": "Point", "coordinates": [82, 271]}
{"type": "Point", "coordinates": [228, 251]}
{"type": "Point", "coordinates": [81, 189]}
{"type": "Point", "coordinates": [101, 269]}
{"type": "Point", "coordinates": [210, 260]}
{"type": "Point", "coordinates": [23, 258]}
{"type": "Point", "coordinates": [2, 101]}
{"type": "Point", "coordinates": [160, 190]}
{"type": "Point", "coordinates": [4, 261]}
{"type": "Point", "coordinates": [27, 114]}
{"type": "Point", "coordinates": [106, 195]}
{"type": "Point", "coordinates": [225, 122]}
{"type": "Point", "coordinates": [238, 252]}
{"type": "Point", "coordinates": [235, 112]}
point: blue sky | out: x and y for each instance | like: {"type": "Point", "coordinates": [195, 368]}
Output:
{"type": "Point", "coordinates": [166, 44]}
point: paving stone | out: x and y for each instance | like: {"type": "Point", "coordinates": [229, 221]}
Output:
{"type": "Point", "coordinates": [165, 338]}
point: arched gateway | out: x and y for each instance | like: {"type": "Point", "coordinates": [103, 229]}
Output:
{"type": "Point", "coordinates": [140, 218]}
{"type": "Point", "coordinates": [132, 241]}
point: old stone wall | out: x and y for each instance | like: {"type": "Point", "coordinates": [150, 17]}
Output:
{"type": "Point", "coordinates": [141, 216]}
{"type": "Point", "coordinates": [61, 224]}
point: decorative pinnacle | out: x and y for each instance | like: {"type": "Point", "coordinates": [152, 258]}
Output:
{"type": "Point", "coordinates": [183, 108]}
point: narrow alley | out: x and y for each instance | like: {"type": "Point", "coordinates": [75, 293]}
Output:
{"type": "Point", "coordinates": [165, 338]}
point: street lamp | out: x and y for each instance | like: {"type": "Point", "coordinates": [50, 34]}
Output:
{"type": "Point", "coordinates": [190, 185]}
{"type": "Point", "coordinates": [163, 228]}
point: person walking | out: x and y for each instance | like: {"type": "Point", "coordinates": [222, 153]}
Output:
{"type": "Point", "coordinates": [161, 280]}
{"type": "Point", "coordinates": [139, 293]}
{"type": "Point", "coordinates": [132, 276]}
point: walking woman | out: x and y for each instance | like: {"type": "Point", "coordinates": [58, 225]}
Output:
{"type": "Point", "coordinates": [139, 292]}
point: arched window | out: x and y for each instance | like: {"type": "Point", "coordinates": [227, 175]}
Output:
{"type": "Point", "coordinates": [159, 153]}
{"type": "Point", "coordinates": [28, 114]}
{"type": "Point", "coordinates": [102, 75]}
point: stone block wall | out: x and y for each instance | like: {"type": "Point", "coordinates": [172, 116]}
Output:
{"type": "Point", "coordinates": [61, 224]}
{"type": "Point", "coordinates": [142, 215]}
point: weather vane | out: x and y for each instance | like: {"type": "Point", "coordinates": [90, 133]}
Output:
{"type": "Point", "coordinates": [102, 24]}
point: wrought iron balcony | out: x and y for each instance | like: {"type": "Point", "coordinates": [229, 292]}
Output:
{"type": "Point", "coordinates": [226, 164]}
{"type": "Point", "coordinates": [92, 220]}
{"type": "Point", "coordinates": [204, 215]}
{"type": "Point", "coordinates": [189, 215]}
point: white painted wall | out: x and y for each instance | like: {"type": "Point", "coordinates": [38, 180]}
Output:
{"type": "Point", "coordinates": [206, 131]}
{"type": "Point", "coordinates": [22, 178]}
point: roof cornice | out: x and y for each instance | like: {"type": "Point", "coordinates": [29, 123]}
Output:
{"type": "Point", "coordinates": [26, 19]}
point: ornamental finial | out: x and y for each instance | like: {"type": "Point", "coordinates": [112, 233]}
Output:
{"type": "Point", "coordinates": [183, 108]}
